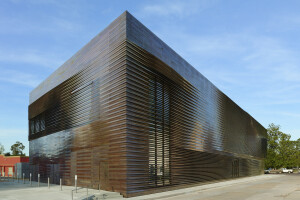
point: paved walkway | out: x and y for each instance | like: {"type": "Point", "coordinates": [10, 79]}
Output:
{"type": "Point", "coordinates": [264, 187]}
{"type": "Point", "coordinates": [13, 190]}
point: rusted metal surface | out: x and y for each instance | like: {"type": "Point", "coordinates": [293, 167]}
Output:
{"type": "Point", "coordinates": [127, 113]}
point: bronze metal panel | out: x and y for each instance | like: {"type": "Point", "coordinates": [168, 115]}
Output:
{"type": "Point", "coordinates": [191, 137]}
{"type": "Point", "coordinates": [82, 107]}
{"type": "Point", "coordinates": [134, 117]}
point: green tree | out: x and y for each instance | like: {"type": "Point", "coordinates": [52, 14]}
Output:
{"type": "Point", "coordinates": [282, 151]}
{"type": "Point", "coordinates": [272, 148]}
{"type": "Point", "coordinates": [297, 154]}
{"type": "Point", "coordinates": [17, 149]}
{"type": "Point", "coordinates": [1, 149]}
{"type": "Point", "coordinates": [7, 154]}
{"type": "Point", "coordinates": [286, 151]}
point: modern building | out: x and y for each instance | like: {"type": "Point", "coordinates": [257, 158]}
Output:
{"type": "Point", "coordinates": [126, 113]}
{"type": "Point", "coordinates": [7, 164]}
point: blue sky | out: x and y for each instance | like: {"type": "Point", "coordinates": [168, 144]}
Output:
{"type": "Point", "coordinates": [248, 49]}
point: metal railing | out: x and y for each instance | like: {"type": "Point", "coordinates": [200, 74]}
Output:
{"type": "Point", "coordinates": [76, 189]}
{"type": "Point", "coordinates": [28, 180]}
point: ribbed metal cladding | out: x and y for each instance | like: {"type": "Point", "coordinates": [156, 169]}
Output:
{"type": "Point", "coordinates": [127, 113]}
{"type": "Point", "coordinates": [179, 135]}
{"type": "Point", "coordinates": [84, 116]}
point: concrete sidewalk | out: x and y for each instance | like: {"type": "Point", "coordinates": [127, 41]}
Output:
{"type": "Point", "coordinates": [13, 190]}
{"type": "Point", "coordinates": [173, 194]}
{"type": "Point", "coordinates": [264, 187]}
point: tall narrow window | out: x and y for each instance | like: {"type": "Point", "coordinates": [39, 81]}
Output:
{"type": "Point", "coordinates": [32, 127]}
{"type": "Point", "coordinates": [42, 122]}
{"type": "Point", "coordinates": [235, 168]}
{"type": "Point", "coordinates": [159, 133]}
{"type": "Point", "coordinates": [37, 124]}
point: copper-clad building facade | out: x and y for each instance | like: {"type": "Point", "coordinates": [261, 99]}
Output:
{"type": "Point", "coordinates": [128, 114]}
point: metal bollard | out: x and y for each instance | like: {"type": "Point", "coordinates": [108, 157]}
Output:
{"type": "Point", "coordinates": [60, 182]}
{"type": "Point", "coordinates": [23, 178]}
{"type": "Point", "coordinates": [76, 183]}
{"type": "Point", "coordinates": [48, 183]}
{"type": "Point", "coordinates": [72, 194]}
{"type": "Point", "coordinates": [87, 192]}
{"type": "Point", "coordinates": [38, 180]}
{"type": "Point", "coordinates": [30, 180]}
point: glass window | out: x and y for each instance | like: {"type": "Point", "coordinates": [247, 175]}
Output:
{"type": "Point", "coordinates": [37, 124]}
{"type": "Point", "coordinates": [32, 126]}
{"type": "Point", "coordinates": [42, 122]}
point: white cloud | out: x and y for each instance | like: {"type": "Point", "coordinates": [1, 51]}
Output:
{"type": "Point", "coordinates": [252, 55]}
{"type": "Point", "coordinates": [167, 9]}
{"type": "Point", "coordinates": [21, 26]}
{"type": "Point", "coordinates": [31, 57]}
{"type": "Point", "coordinates": [60, 17]}
{"type": "Point", "coordinates": [289, 22]}
{"type": "Point", "coordinates": [285, 113]}
{"type": "Point", "coordinates": [252, 69]}
{"type": "Point", "coordinates": [290, 114]}
{"type": "Point", "coordinates": [21, 78]}
{"type": "Point", "coordinates": [177, 8]}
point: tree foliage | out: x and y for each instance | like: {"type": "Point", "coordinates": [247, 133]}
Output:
{"type": "Point", "coordinates": [7, 154]}
{"type": "Point", "coordinates": [281, 151]}
{"type": "Point", "coordinates": [17, 149]}
{"type": "Point", "coordinates": [1, 149]}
